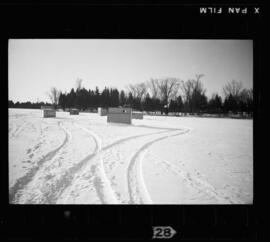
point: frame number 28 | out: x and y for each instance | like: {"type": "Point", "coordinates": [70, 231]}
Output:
{"type": "Point", "coordinates": [163, 232]}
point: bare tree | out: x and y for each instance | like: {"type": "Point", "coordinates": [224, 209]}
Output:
{"type": "Point", "coordinates": [198, 77]}
{"type": "Point", "coordinates": [54, 95]}
{"type": "Point", "coordinates": [193, 91]}
{"type": "Point", "coordinates": [138, 90]}
{"type": "Point", "coordinates": [246, 96]}
{"type": "Point", "coordinates": [232, 88]}
{"type": "Point", "coordinates": [168, 89]}
{"type": "Point", "coordinates": [152, 84]}
{"type": "Point", "coordinates": [250, 93]}
{"type": "Point", "coordinates": [187, 89]}
{"type": "Point", "coordinates": [141, 90]}
{"type": "Point", "coordinates": [198, 86]}
{"type": "Point", "coordinates": [192, 85]}
{"type": "Point", "coordinates": [131, 88]}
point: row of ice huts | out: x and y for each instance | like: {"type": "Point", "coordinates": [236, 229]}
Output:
{"type": "Point", "coordinates": [114, 115]}
{"type": "Point", "coordinates": [50, 112]}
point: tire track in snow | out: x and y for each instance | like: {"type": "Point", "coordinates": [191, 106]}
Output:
{"type": "Point", "coordinates": [39, 140]}
{"type": "Point", "coordinates": [67, 179]}
{"type": "Point", "coordinates": [136, 186]}
{"type": "Point", "coordinates": [14, 129]}
{"type": "Point", "coordinates": [23, 181]}
{"type": "Point", "coordinates": [18, 130]}
{"type": "Point", "coordinates": [101, 181]}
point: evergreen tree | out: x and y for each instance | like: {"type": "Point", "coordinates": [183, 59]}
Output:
{"type": "Point", "coordinates": [96, 98]}
{"type": "Point", "coordinates": [148, 103]}
{"type": "Point", "coordinates": [10, 104]}
{"type": "Point", "coordinates": [72, 99]}
{"type": "Point", "coordinates": [179, 104]}
{"type": "Point", "coordinates": [105, 98]}
{"type": "Point", "coordinates": [230, 104]}
{"type": "Point", "coordinates": [157, 105]}
{"type": "Point", "coordinates": [122, 98]}
{"type": "Point", "coordinates": [62, 101]}
{"type": "Point", "coordinates": [130, 100]}
{"type": "Point", "coordinates": [173, 106]}
{"type": "Point", "coordinates": [114, 98]}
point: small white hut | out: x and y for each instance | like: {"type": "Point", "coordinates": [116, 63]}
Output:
{"type": "Point", "coordinates": [48, 111]}
{"type": "Point", "coordinates": [74, 111]}
{"type": "Point", "coordinates": [102, 111]}
{"type": "Point", "coordinates": [137, 115]}
{"type": "Point", "coordinates": [119, 115]}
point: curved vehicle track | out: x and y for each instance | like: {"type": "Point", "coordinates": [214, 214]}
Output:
{"type": "Point", "coordinates": [101, 181]}
{"type": "Point", "coordinates": [102, 184]}
{"type": "Point", "coordinates": [23, 181]}
{"type": "Point", "coordinates": [18, 129]}
{"type": "Point", "coordinates": [137, 189]}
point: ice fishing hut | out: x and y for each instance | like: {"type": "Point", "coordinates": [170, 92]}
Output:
{"type": "Point", "coordinates": [48, 111]}
{"type": "Point", "coordinates": [74, 111]}
{"type": "Point", "coordinates": [137, 115]}
{"type": "Point", "coordinates": [119, 115]}
{"type": "Point", "coordinates": [102, 111]}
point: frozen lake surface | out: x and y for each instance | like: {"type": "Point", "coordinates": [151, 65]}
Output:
{"type": "Point", "coordinates": [82, 159]}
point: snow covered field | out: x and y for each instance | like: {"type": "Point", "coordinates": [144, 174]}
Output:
{"type": "Point", "coordinates": [158, 160]}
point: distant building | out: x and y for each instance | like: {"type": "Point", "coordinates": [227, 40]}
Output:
{"type": "Point", "coordinates": [102, 111]}
{"type": "Point", "coordinates": [49, 113]}
{"type": "Point", "coordinates": [137, 115]}
{"type": "Point", "coordinates": [74, 111]}
{"type": "Point", "coordinates": [119, 115]}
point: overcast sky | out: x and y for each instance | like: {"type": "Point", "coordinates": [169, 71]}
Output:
{"type": "Point", "coordinates": [37, 65]}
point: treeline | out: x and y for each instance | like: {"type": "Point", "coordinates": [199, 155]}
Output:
{"type": "Point", "coordinates": [34, 105]}
{"type": "Point", "coordinates": [91, 99]}
{"type": "Point", "coordinates": [156, 95]}
{"type": "Point", "coordinates": [161, 95]}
